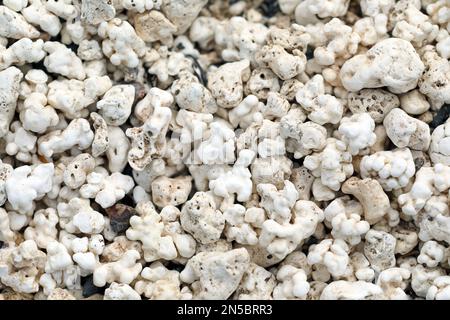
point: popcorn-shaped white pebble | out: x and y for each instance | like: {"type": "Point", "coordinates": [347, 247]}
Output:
{"type": "Point", "coordinates": [20, 143]}
{"type": "Point", "coordinates": [281, 239]}
{"type": "Point", "coordinates": [351, 290]}
{"type": "Point", "coordinates": [241, 222]}
{"type": "Point", "coordinates": [440, 144]}
{"type": "Point", "coordinates": [412, 25]}
{"type": "Point", "coordinates": [435, 82]}
{"type": "Point", "coordinates": [9, 92]}
{"type": "Point", "coordinates": [21, 52]}
{"type": "Point", "coordinates": [194, 126]}
{"type": "Point", "coordinates": [201, 219]}
{"type": "Point", "coordinates": [391, 63]}
{"type": "Point", "coordinates": [344, 215]}
{"type": "Point", "coordinates": [237, 180]}
{"type": "Point", "coordinates": [241, 39]}
{"type": "Point", "coordinates": [406, 131]}
{"type": "Point", "coordinates": [371, 29]}
{"type": "Point", "coordinates": [322, 108]}
{"type": "Point", "coordinates": [6, 234]}
{"type": "Point", "coordinates": [106, 190]}
{"type": "Point", "coordinates": [42, 229]}
{"type": "Point", "coordinates": [77, 216]}
{"type": "Point", "coordinates": [429, 180]}
{"type": "Point", "coordinates": [372, 8]}
{"type": "Point", "coordinates": [276, 106]}
{"type": "Point", "coordinates": [246, 112]}
{"type": "Point", "coordinates": [77, 134]}
{"type": "Point", "coordinates": [434, 221]}
{"type": "Point", "coordinates": [292, 284]}
{"type": "Point", "coordinates": [63, 9]}
{"type": "Point", "coordinates": [58, 259]}
{"type": "Point", "coordinates": [215, 275]}
{"type": "Point", "coordinates": [115, 106]}
{"type": "Point", "coordinates": [310, 10]}
{"type": "Point", "coordinates": [278, 203]}
{"type": "Point", "coordinates": [282, 63]}
{"type": "Point", "coordinates": [121, 291]}
{"type": "Point", "coordinates": [16, 5]}
{"type": "Point", "coordinates": [333, 254]}
{"type": "Point", "coordinates": [37, 14]}
{"type": "Point", "coordinates": [431, 254]}
{"type": "Point", "coordinates": [89, 50]}
{"type": "Point", "coordinates": [184, 242]}
{"type": "Point", "coordinates": [357, 132]}
{"type": "Point", "coordinates": [393, 281]}
{"type": "Point", "coordinates": [422, 278]}
{"type": "Point", "coordinates": [392, 169]}
{"type": "Point", "coordinates": [219, 147]}
{"type": "Point", "coordinates": [226, 83]}
{"type": "Point", "coordinates": [63, 61]}
{"type": "Point", "coordinates": [341, 43]}
{"type": "Point", "coordinates": [26, 262]}
{"type": "Point", "coordinates": [443, 44]}
{"type": "Point", "coordinates": [36, 115]}
{"type": "Point", "coordinates": [332, 165]}
{"type": "Point", "coordinates": [379, 249]}
{"type": "Point", "coordinates": [118, 147]}
{"type": "Point", "coordinates": [159, 283]}
{"type": "Point", "coordinates": [73, 96]}
{"type": "Point", "coordinates": [440, 290]}
{"type": "Point", "coordinates": [148, 229]}
{"type": "Point", "coordinates": [123, 271]}
{"type": "Point", "coordinates": [26, 184]}
{"type": "Point", "coordinates": [13, 25]}
{"type": "Point", "coordinates": [121, 44]}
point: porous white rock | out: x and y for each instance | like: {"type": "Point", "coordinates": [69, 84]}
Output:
{"type": "Point", "coordinates": [9, 92]}
{"type": "Point", "coordinates": [406, 131]}
{"type": "Point", "coordinates": [215, 275]}
{"type": "Point", "coordinates": [391, 63]}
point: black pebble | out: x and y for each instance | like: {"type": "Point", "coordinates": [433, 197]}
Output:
{"type": "Point", "coordinates": [441, 116]}
{"type": "Point", "coordinates": [174, 266]}
{"type": "Point", "coordinates": [198, 70]}
{"type": "Point", "coordinates": [270, 8]}
{"type": "Point", "coordinates": [309, 53]}
{"type": "Point", "coordinates": [89, 288]}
